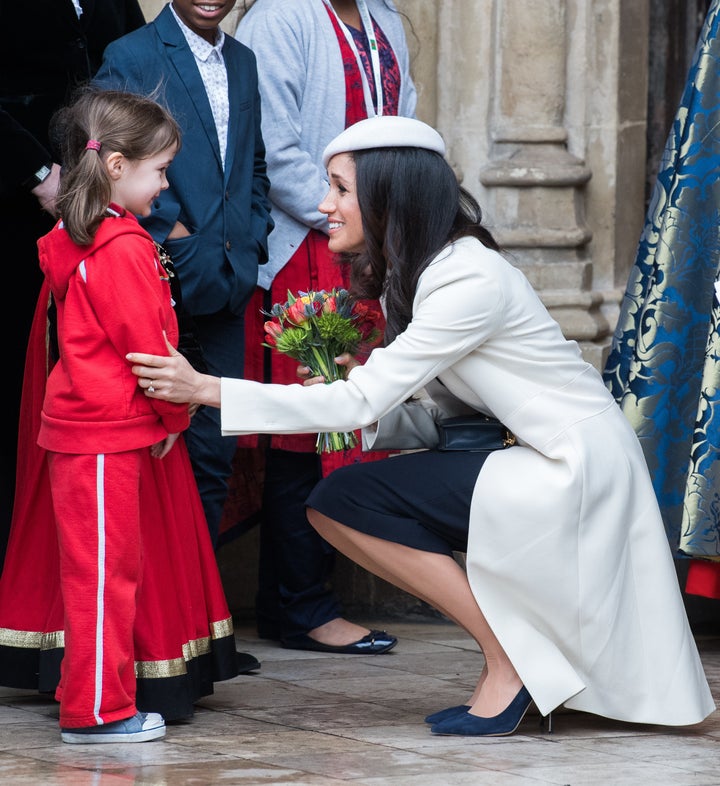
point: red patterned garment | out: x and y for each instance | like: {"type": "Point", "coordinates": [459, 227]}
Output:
{"type": "Point", "coordinates": [184, 638]}
{"type": "Point", "coordinates": [312, 267]}
{"type": "Point", "coordinates": [703, 578]}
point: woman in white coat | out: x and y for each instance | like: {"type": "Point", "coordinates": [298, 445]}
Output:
{"type": "Point", "coordinates": [570, 589]}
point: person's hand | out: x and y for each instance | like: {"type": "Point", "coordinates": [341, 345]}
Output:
{"type": "Point", "coordinates": [179, 230]}
{"type": "Point", "coordinates": [346, 359]}
{"type": "Point", "coordinates": [305, 374]}
{"type": "Point", "coordinates": [172, 378]}
{"type": "Point", "coordinates": [161, 449]}
{"type": "Point", "coordinates": [46, 192]}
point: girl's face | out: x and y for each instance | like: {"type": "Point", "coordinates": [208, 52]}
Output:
{"type": "Point", "coordinates": [341, 207]}
{"type": "Point", "coordinates": [136, 184]}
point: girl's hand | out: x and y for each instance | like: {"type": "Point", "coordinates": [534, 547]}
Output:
{"type": "Point", "coordinates": [161, 449]}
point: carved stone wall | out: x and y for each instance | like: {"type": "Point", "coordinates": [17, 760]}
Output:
{"type": "Point", "coordinates": [543, 103]}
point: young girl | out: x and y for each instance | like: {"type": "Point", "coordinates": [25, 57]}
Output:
{"type": "Point", "coordinates": [119, 516]}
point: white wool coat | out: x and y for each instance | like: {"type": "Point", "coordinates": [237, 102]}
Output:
{"type": "Point", "coordinates": [567, 555]}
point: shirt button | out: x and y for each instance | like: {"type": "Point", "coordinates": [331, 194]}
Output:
{"type": "Point", "coordinates": [227, 195]}
{"type": "Point", "coordinates": [228, 245]}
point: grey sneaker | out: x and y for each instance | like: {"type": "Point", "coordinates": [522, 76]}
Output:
{"type": "Point", "coordinates": [142, 727]}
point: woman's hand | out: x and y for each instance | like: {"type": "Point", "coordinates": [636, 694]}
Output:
{"type": "Point", "coordinates": [346, 359]}
{"type": "Point", "coordinates": [305, 374]}
{"type": "Point", "coordinates": [174, 379]}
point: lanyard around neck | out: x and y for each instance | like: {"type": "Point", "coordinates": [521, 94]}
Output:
{"type": "Point", "coordinates": [372, 108]}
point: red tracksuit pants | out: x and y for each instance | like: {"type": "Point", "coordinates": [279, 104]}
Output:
{"type": "Point", "coordinates": [96, 503]}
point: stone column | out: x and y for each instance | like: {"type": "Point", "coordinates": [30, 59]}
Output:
{"type": "Point", "coordinates": [534, 184]}
{"type": "Point", "coordinates": [542, 104]}
{"type": "Point", "coordinates": [422, 19]}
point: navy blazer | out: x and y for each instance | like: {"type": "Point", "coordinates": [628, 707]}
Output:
{"type": "Point", "coordinates": [227, 212]}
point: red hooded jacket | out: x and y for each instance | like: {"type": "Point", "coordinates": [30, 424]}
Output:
{"type": "Point", "coordinates": [112, 297]}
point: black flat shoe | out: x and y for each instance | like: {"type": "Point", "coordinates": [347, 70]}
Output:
{"type": "Point", "coordinates": [246, 662]}
{"type": "Point", "coordinates": [374, 643]}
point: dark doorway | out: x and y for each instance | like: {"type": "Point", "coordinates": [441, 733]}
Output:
{"type": "Point", "coordinates": [674, 29]}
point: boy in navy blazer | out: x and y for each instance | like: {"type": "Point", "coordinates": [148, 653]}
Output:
{"type": "Point", "coordinates": [215, 216]}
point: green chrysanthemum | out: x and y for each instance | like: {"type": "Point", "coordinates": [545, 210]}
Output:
{"type": "Point", "coordinates": [338, 330]}
{"type": "Point", "coordinates": [294, 342]}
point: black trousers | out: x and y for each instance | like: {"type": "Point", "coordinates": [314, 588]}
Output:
{"type": "Point", "coordinates": [296, 564]}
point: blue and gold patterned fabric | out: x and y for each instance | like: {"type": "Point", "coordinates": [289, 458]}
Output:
{"type": "Point", "coordinates": [664, 364]}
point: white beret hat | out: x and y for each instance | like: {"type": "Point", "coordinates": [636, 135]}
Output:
{"type": "Point", "coordinates": [385, 131]}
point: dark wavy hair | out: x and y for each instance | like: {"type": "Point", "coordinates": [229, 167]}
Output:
{"type": "Point", "coordinates": [412, 206]}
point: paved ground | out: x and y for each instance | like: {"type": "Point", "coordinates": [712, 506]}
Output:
{"type": "Point", "coordinates": [321, 720]}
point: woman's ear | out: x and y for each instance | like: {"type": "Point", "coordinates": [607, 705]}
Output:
{"type": "Point", "coordinates": [115, 164]}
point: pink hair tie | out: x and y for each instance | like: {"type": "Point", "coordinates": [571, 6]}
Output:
{"type": "Point", "coordinates": [92, 144]}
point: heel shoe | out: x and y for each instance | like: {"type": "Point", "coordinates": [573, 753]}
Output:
{"type": "Point", "coordinates": [499, 726]}
{"type": "Point", "coordinates": [440, 715]}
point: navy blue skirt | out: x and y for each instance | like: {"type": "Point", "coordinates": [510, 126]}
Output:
{"type": "Point", "coordinates": [421, 499]}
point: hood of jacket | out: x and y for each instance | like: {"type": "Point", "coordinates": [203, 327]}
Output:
{"type": "Point", "coordinates": [60, 256]}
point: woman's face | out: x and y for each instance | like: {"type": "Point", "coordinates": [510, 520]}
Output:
{"type": "Point", "coordinates": [341, 207]}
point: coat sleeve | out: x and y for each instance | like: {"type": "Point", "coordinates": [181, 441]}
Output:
{"type": "Point", "coordinates": [283, 45]}
{"type": "Point", "coordinates": [21, 154]}
{"type": "Point", "coordinates": [262, 222]}
{"type": "Point", "coordinates": [133, 308]}
{"type": "Point", "coordinates": [458, 306]}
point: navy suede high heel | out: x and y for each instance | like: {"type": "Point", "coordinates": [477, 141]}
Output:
{"type": "Point", "coordinates": [440, 715]}
{"type": "Point", "coordinates": [499, 726]}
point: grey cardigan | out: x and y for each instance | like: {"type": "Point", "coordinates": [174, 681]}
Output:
{"type": "Point", "coordinates": [302, 89]}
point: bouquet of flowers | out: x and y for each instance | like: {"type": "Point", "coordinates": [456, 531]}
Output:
{"type": "Point", "coordinates": [314, 328]}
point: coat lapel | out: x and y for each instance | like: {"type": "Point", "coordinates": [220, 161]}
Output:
{"type": "Point", "coordinates": [236, 92]}
{"type": "Point", "coordinates": [67, 16]}
{"type": "Point", "coordinates": [183, 61]}
{"type": "Point", "coordinates": [88, 7]}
